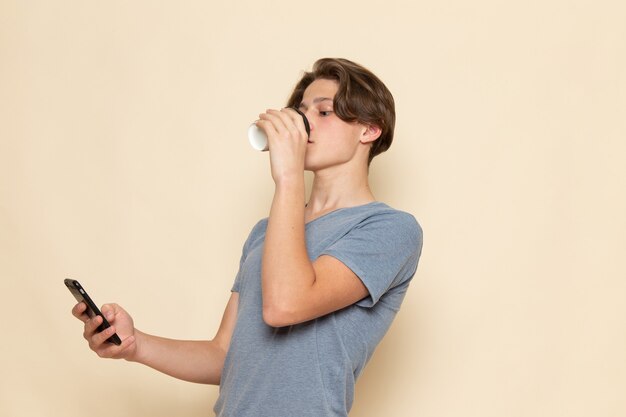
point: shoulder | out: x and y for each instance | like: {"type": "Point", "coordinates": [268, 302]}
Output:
{"type": "Point", "coordinates": [392, 222]}
{"type": "Point", "coordinates": [259, 227]}
{"type": "Point", "coordinates": [256, 234]}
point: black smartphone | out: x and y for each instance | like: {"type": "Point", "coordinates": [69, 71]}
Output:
{"type": "Point", "coordinates": [92, 310]}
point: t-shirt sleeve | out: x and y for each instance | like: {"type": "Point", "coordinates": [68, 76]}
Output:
{"type": "Point", "coordinates": [256, 231]}
{"type": "Point", "coordinates": [237, 284]}
{"type": "Point", "coordinates": [383, 251]}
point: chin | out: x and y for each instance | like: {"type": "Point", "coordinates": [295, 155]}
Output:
{"type": "Point", "coordinates": [319, 165]}
{"type": "Point", "coordinates": [315, 160]}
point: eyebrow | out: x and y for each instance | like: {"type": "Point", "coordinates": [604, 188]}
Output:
{"type": "Point", "coordinates": [316, 101]}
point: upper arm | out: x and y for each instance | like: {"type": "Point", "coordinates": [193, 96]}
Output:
{"type": "Point", "coordinates": [335, 286]}
{"type": "Point", "coordinates": [227, 325]}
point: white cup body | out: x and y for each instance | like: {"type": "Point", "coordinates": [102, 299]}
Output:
{"type": "Point", "coordinates": [257, 138]}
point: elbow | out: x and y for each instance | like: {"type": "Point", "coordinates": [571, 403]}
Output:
{"type": "Point", "coordinates": [278, 316]}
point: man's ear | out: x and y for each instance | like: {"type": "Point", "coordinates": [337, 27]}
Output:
{"type": "Point", "coordinates": [370, 133]}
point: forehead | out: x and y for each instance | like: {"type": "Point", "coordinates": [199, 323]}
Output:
{"type": "Point", "coordinates": [320, 88]}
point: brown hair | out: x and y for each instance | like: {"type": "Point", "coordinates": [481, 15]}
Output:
{"type": "Point", "coordinates": [362, 97]}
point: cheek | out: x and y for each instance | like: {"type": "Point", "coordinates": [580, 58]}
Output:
{"type": "Point", "coordinates": [331, 152]}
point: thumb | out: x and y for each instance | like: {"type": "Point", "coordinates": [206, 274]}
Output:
{"type": "Point", "coordinates": [109, 309]}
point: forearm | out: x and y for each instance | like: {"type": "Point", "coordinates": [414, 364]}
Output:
{"type": "Point", "coordinates": [193, 361]}
{"type": "Point", "coordinates": [287, 271]}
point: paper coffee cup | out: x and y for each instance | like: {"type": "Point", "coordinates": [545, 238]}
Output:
{"type": "Point", "coordinates": [258, 138]}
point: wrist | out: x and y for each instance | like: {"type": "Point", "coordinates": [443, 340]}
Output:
{"type": "Point", "coordinates": [138, 353]}
{"type": "Point", "coordinates": [289, 183]}
{"type": "Point", "coordinates": [289, 180]}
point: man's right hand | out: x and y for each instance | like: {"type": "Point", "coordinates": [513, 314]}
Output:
{"type": "Point", "coordinates": [198, 361]}
{"type": "Point", "coordinates": [121, 323]}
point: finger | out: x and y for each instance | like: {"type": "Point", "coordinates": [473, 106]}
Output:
{"type": "Point", "coordinates": [91, 327]}
{"type": "Point", "coordinates": [127, 343]}
{"type": "Point", "coordinates": [109, 311]}
{"type": "Point", "coordinates": [78, 311]}
{"type": "Point", "coordinates": [114, 351]}
{"type": "Point", "coordinates": [296, 123]}
{"type": "Point", "coordinates": [101, 338]}
{"type": "Point", "coordinates": [292, 113]}
{"type": "Point", "coordinates": [109, 315]}
{"type": "Point", "coordinates": [286, 120]}
{"type": "Point", "coordinates": [288, 116]}
{"type": "Point", "coordinates": [300, 123]}
{"type": "Point", "coordinates": [276, 120]}
{"type": "Point", "coordinates": [267, 127]}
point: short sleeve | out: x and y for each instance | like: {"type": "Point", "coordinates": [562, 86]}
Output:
{"type": "Point", "coordinates": [237, 284]}
{"type": "Point", "coordinates": [255, 234]}
{"type": "Point", "coordinates": [383, 251]}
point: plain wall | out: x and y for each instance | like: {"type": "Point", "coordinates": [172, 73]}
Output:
{"type": "Point", "coordinates": [124, 164]}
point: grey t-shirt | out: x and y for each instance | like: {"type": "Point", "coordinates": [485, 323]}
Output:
{"type": "Point", "coordinates": [309, 369]}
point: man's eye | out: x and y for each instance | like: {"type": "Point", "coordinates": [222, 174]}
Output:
{"type": "Point", "coordinates": [325, 113]}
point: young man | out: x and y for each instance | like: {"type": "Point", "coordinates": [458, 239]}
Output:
{"type": "Point", "coordinates": [318, 284]}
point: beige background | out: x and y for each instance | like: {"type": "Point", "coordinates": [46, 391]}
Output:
{"type": "Point", "coordinates": [124, 164]}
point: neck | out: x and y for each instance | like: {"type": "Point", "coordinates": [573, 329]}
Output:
{"type": "Point", "coordinates": [336, 188]}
